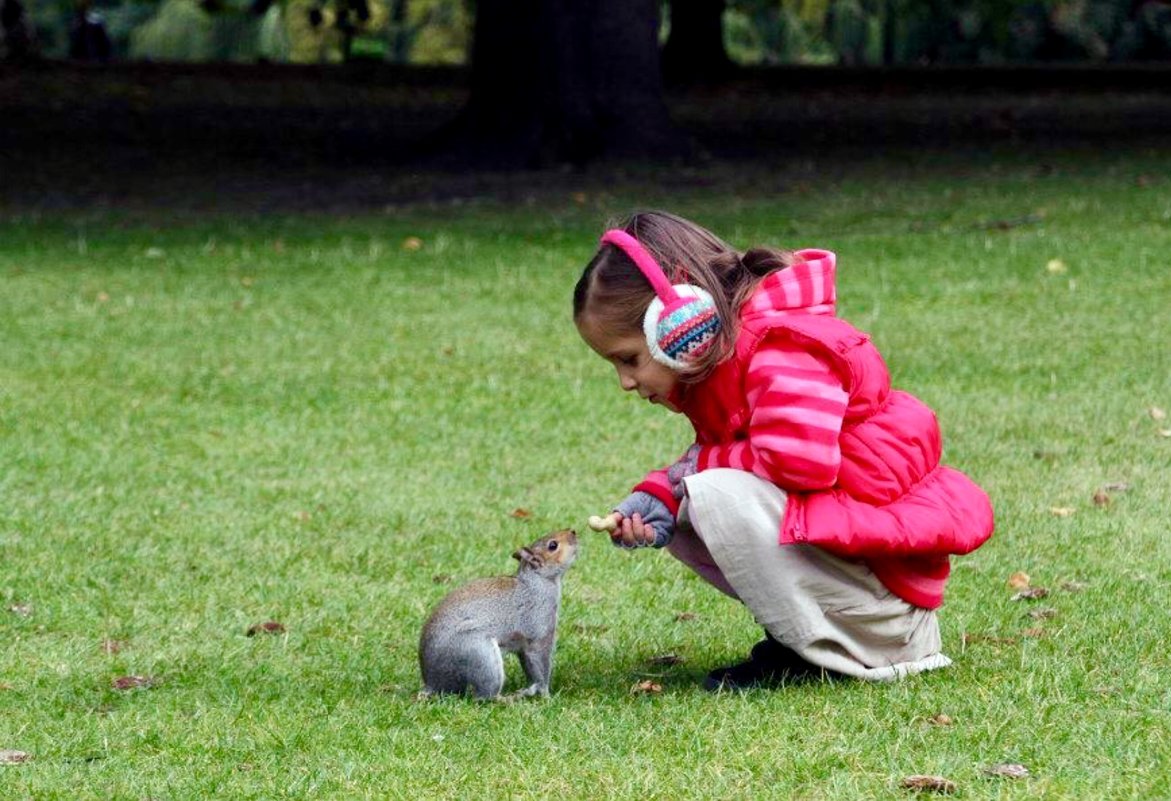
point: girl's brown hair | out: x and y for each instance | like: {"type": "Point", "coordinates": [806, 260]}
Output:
{"type": "Point", "coordinates": [614, 291]}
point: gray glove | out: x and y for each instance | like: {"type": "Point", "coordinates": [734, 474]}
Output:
{"type": "Point", "coordinates": [654, 513]}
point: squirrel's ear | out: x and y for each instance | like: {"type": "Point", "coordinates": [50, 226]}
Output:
{"type": "Point", "coordinates": [526, 557]}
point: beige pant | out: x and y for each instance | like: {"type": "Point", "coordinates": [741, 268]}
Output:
{"type": "Point", "coordinates": [831, 611]}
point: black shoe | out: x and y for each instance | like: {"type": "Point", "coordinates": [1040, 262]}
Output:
{"type": "Point", "coordinates": [769, 665]}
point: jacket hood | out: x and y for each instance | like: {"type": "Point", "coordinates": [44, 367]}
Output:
{"type": "Point", "coordinates": [804, 288]}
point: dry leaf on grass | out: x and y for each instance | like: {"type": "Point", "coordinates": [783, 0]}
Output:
{"type": "Point", "coordinates": [1030, 594]}
{"type": "Point", "coordinates": [1056, 267]}
{"type": "Point", "coordinates": [1156, 413]}
{"type": "Point", "coordinates": [1009, 770]}
{"type": "Point", "coordinates": [441, 578]}
{"type": "Point", "coordinates": [1043, 614]}
{"type": "Point", "coordinates": [940, 719]}
{"type": "Point", "coordinates": [1101, 498]}
{"type": "Point", "coordinates": [684, 617]}
{"type": "Point", "coordinates": [971, 637]}
{"type": "Point", "coordinates": [520, 513]}
{"type": "Point", "coordinates": [133, 682]}
{"type": "Point", "coordinates": [11, 757]}
{"type": "Point", "coordinates": [930, 784]}
{"type": "Point", "coordinates": [113, 646]}
{"type": "Point", "coordinates": [590, 628]}
{"type": "Point", "coordinates": [267, 627]}
{"type": "Point", "coordinates": [1018, 580]}
{"type": "Point", "coordinates": [24, 610]}
{"type": "Point", "coordinates": [412, 243]}
{"type": "Point", "coordinates": [647, 687]}
{"type": "Point", "coordinates": [1034, 632]}
{"type": "Point", "coordinates": [1061, 511]}
{"type": "Point", "coordinates": [1073, 586]}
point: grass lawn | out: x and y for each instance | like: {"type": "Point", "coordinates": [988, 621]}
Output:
{"type": "Point", "coordinates": [209, 422]}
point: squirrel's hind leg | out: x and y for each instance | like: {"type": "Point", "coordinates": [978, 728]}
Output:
{"type": "Point", "coordinates": [485, 670]}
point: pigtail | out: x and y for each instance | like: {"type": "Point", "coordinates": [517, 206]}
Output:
{"type": "Point", "coordinates": [762, 261]}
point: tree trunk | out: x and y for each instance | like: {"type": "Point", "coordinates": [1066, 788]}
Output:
{"type": "Point", "coordinates": [695, 46]}
{"type": "Point", "coordinates": [556, 81]}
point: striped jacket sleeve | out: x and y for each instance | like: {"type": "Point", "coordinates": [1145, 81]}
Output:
{"type": "Point", "coordinates": [797, 405]}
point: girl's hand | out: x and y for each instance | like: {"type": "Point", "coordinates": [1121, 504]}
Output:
{"type": "Point", "coordinates": [633, 532]}
{"type": "Point", "coordinates": [640, 521]}
{"type": "Point", "coordinates": [687, 465]}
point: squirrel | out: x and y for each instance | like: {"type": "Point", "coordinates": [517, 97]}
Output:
{"type": "Point", "coordinates": [464, 637]}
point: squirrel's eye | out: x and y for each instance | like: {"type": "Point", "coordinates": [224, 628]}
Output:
{"type": "Point", "coordinates": [553, 545]}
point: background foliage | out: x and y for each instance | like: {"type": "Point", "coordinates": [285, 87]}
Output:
{"type": "Point", "coordinates": [755, 31]}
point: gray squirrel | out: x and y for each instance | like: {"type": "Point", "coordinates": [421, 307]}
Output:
{"type": "Point", "coordinates": [464, 638]}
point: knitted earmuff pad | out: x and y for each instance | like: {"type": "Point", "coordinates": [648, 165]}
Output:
{"type": "Point", "coordinates": [681, 322]}
{"type": "Point", "coordinates": [680, 332]}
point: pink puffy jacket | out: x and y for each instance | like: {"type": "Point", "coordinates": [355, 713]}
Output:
{"type": "Point", "coordinates": [893, 505]}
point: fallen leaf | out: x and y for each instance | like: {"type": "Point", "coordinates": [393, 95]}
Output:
{"type": "Point", "coordinates": [520, 513]}
{"type": "Point", "coordinates": [1116, 486]}
{"type": "Point", "coordinates": [24, 610]}
{"type": "Point", "coordinates": [1018, 580]}
{"type": "Point", "coordinates": [1156, 413]}
{"type": "Point", "coordinates": [1061, 511]}
{"type": "Point", "coordinates": [590, 628]}
{"type": "Point", "coordinates": [303, 516]}
{"type": "Point", "coordinates": [1009, 770]}
{"type": "Point", "coordinates": [1073, 586]}
{"type": "Point", "coordinates": [412, 243]}
{"type": "Point", "coordinates": [992, 639]}
{"type": "Point", "coordinates": [932, 784]}
{"type": "Point", "coordinates": [1056, 267]}
{"type": "Point", "coordinates": [267, 627]}
{"type": "Point", "coordinates": [666, 660]}
{"type": "Point", "coordinates": [683, 617]}
{"type": "Point", "coordinates": [579, 198]}
{"type": "Point", "coordinates": [133, 682]}
{"type": "Point", "coordinates": [113, 646]}
{"type": "Point", "coordinates": [103, 297]}
{"type": "Point", "coordinates": [647, 687]}
{"type": "Point", "coordinates": [1034, 632]}
{"type": "Point", "coordinates": [441, 578]}
{"type": "Point", "coordinates": [1043, 614]}
{"type": "Point", "coordinates": [940, 720]}
{"type": "Point", "coordinates": [5, 686]}
{"type": "Point", "coordinates": [10, 757]}
{"type": "Point", "coordinates": [1101, 498]}
{"type": "Point", "coordinates": [155, 253]}
{"type": "Point", "coordinates": [1030, 594]}
{"type": "Point", "coordinates": [1165, 432]}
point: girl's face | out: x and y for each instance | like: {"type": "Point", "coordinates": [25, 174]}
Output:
{"type": "Point", "coordinates": [630, 356]}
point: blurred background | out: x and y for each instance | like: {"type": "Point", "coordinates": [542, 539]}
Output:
{"type": "Point", "coordinates": [132, 97]}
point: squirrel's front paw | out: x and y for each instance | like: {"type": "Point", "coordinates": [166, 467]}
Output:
{"type": "Point", "coordinates": [529, 692]}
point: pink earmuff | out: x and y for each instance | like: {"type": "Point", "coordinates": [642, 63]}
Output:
{"type": "Point", "coordinates": [681, 323]}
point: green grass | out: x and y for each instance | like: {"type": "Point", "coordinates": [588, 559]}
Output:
{"type": "Point", "coordinates": [208, 422]}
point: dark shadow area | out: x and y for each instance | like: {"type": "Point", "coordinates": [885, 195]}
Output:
{"type": "Point", "coordinates": [299, 138]}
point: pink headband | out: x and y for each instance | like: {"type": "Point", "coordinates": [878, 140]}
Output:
{"type": "Point", "coordinates": [644, 261]}
{"type": "Point", "coordinates": [681, 323]}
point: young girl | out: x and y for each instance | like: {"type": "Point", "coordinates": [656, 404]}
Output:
{"type": "Point", "coordinates": [813, 492]}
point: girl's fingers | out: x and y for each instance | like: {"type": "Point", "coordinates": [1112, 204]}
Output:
{"type": "Point", "coordinates": [629, 536]}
